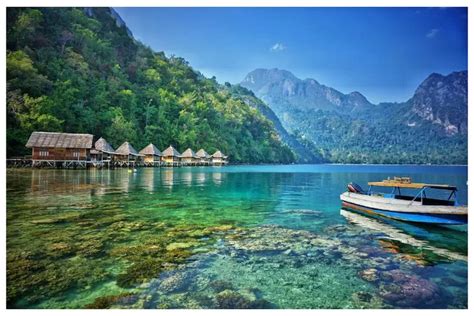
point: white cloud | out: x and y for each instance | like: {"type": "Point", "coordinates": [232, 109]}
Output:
{"type": "Point", "coordinates": [277, 47]}
{"type": "Point", "coordinates": [432, 33]}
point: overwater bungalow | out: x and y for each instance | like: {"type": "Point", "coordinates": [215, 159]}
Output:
{"type": "Point", "coordinates": [126, 155]}
{"type": "Point", "coordinates": [152, 155]}
{"type": "Point", "coordinates": [189, 157]}
{"type": "Point", "coordinates": [102, 152]}
{"type": "Point", "coordinates": [219, 159]}
{"type": "Point", "coordinates": [171, 157]}
{"type": "Point", "coordinates": [60, 149]}
{"type": "Point", "coordinates": [204, 157]}
{"type": "Point", "coordinates": [65, 150]}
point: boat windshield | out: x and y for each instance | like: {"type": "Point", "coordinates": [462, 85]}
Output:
{"type": "Point", "coordinates": [435, 190]}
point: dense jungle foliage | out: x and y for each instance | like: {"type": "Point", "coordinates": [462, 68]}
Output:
{"type": "Point", "coordinates": [343, 139]}
{"type": "Point", "coordinates": [78, 70]}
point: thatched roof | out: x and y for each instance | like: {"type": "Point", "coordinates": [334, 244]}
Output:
{"type": "Point", "coordinates": [189, 153]}
{"type": "Point", "coordinates": [127, 149]}
{"type": "Point", "coordinates": [59, 140]}
{"type": "Point", "coordinates": [150, 150]}
{"type": "Point", "coordinates": [102, 145]}
{"type": "Point", "coordinates": [203, 154]}
{"type": "Point", "coordinates": [218, 154]}
{"type": "Point", "coordinates": [171, 152]}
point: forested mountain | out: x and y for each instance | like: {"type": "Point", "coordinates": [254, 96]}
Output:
{"type": "Point", "coordinates": [80, 70]}
{"type": "Point", "coordinates": [431, 127]}
{"type": "Point", "coordinates": [303, 154]}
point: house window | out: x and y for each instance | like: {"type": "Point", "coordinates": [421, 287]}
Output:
{"type": "Point", "coordinates": [76, 153]}
{"type": "Point", "coordinates": [43, 152]}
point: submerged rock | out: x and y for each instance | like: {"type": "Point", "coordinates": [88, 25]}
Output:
{"type": "Point", "coordinates": [220, 285]}
{"type": "Point", "coordinates": [176, 281]}
{"type": "Point", "coordinates": [204, 301]}
{"type": "Point", "coordinates": [367, 300]}
{"type": "Point", "coordinates": [407, 290]}
{"type": "Point", "coordinates": [60, 249]}
{"type": "Point", "coordinates": [91, 248]}
{"type": "Point", "coordinates": [370, 274]}
{"type": "Point", "coordinates": [338, 228]}
{"type": "Point", "coordinates": [396, 276]}
{"type": "Point", "coordinates": [139, 272]}
{"type": "Point", "coordinates": [105, 302]}
{"type": "Point", "coordinates": [58, 218]}
{"type": "Point", "coordinates": [229, 299]}
{"type": "Point", "coordinates": [278, 239]}
{"type": "Point", "coordinates": [48, 221]}
{"type": "Point", "coordinates": [181, 245]}
{"type": "Point", "coordinates": [222, 228]}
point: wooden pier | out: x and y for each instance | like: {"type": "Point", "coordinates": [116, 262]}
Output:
{"type": "Point", "coordinates": [45, 163]}
{"type": "Point", "coordinates": [19, 163]}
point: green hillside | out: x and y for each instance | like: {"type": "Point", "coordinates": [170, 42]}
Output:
{"type": "Point", "coordinates": [78, 70]}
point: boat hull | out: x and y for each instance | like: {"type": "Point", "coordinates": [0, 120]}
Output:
{"type": "Point", "coordinates": [407, 213]}
{"type": "Point", "coordinates": [440, 219]}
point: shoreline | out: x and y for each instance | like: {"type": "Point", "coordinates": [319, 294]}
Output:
{"type": "Point", "coordinates": [278, 164]}
{"type": "Point", "coordinates": [346, 164]}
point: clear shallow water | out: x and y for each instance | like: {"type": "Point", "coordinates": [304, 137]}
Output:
{"type": "Point", "coordinates": [230, 237]}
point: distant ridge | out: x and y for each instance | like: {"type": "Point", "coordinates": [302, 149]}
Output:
{"type": "Point", "coordinates": [430, 127]}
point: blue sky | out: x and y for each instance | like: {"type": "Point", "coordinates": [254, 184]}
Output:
{"type": "Point", "coordinates": [384, 53]}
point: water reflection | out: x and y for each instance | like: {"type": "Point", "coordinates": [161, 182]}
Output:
{"type": "Point", "coordinates": [186, 177]}
{"type": "Point", "coordinates": [217, 177]}
{"type": "Point", "coordinates": [167, 177]}
{"type": "Point", "coordinates": [200, 177]}
{"type": "Point", "coordinates": [402, 236]}
{"type": "Point", "coordinates": [151, 178]}
{"type": "Point", "coordinates": [62, 182]}
{"type": "Point", "coordinates": [148, 179]}
{"type": "Point", "coordinates": [100, 182]}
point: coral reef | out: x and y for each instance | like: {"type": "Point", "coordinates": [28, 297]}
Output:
{"type": "Point", "coordinates": [105, 302]}
{"type": "Point", "coordinates": [370, 274]}
{"type": "Point", "coordinates": [220, 285]}
{"type": "Point", "coordinates": [229, 299]}
{"type": "Point", "coordinates": [408, 290]}
{"type": "Point", "coordinates": [368, 300]}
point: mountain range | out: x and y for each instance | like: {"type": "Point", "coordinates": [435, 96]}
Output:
{"type": "Point", "coordinates": [430, 127]}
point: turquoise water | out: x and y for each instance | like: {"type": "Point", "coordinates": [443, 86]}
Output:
{"type": "Point", "coordinates": [224, 237]}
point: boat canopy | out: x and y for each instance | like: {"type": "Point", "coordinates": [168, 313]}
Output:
{"type": "Point", "coordinates": [410, 185]}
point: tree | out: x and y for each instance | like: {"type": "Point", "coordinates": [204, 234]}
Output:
{"type": "Point", "coordinates": [26, 24]}
{"type": "Point", "coordinates": [65, 37]}
{"type": "Point", "coordinates": [120, 129]}
{"type": "Point", "coordinates": [22, 74]}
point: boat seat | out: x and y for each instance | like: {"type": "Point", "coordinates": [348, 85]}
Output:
{"type": "Point", "coordinates": [355, 188]}
{"type": "Point", "coordinates": [426, 201]}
